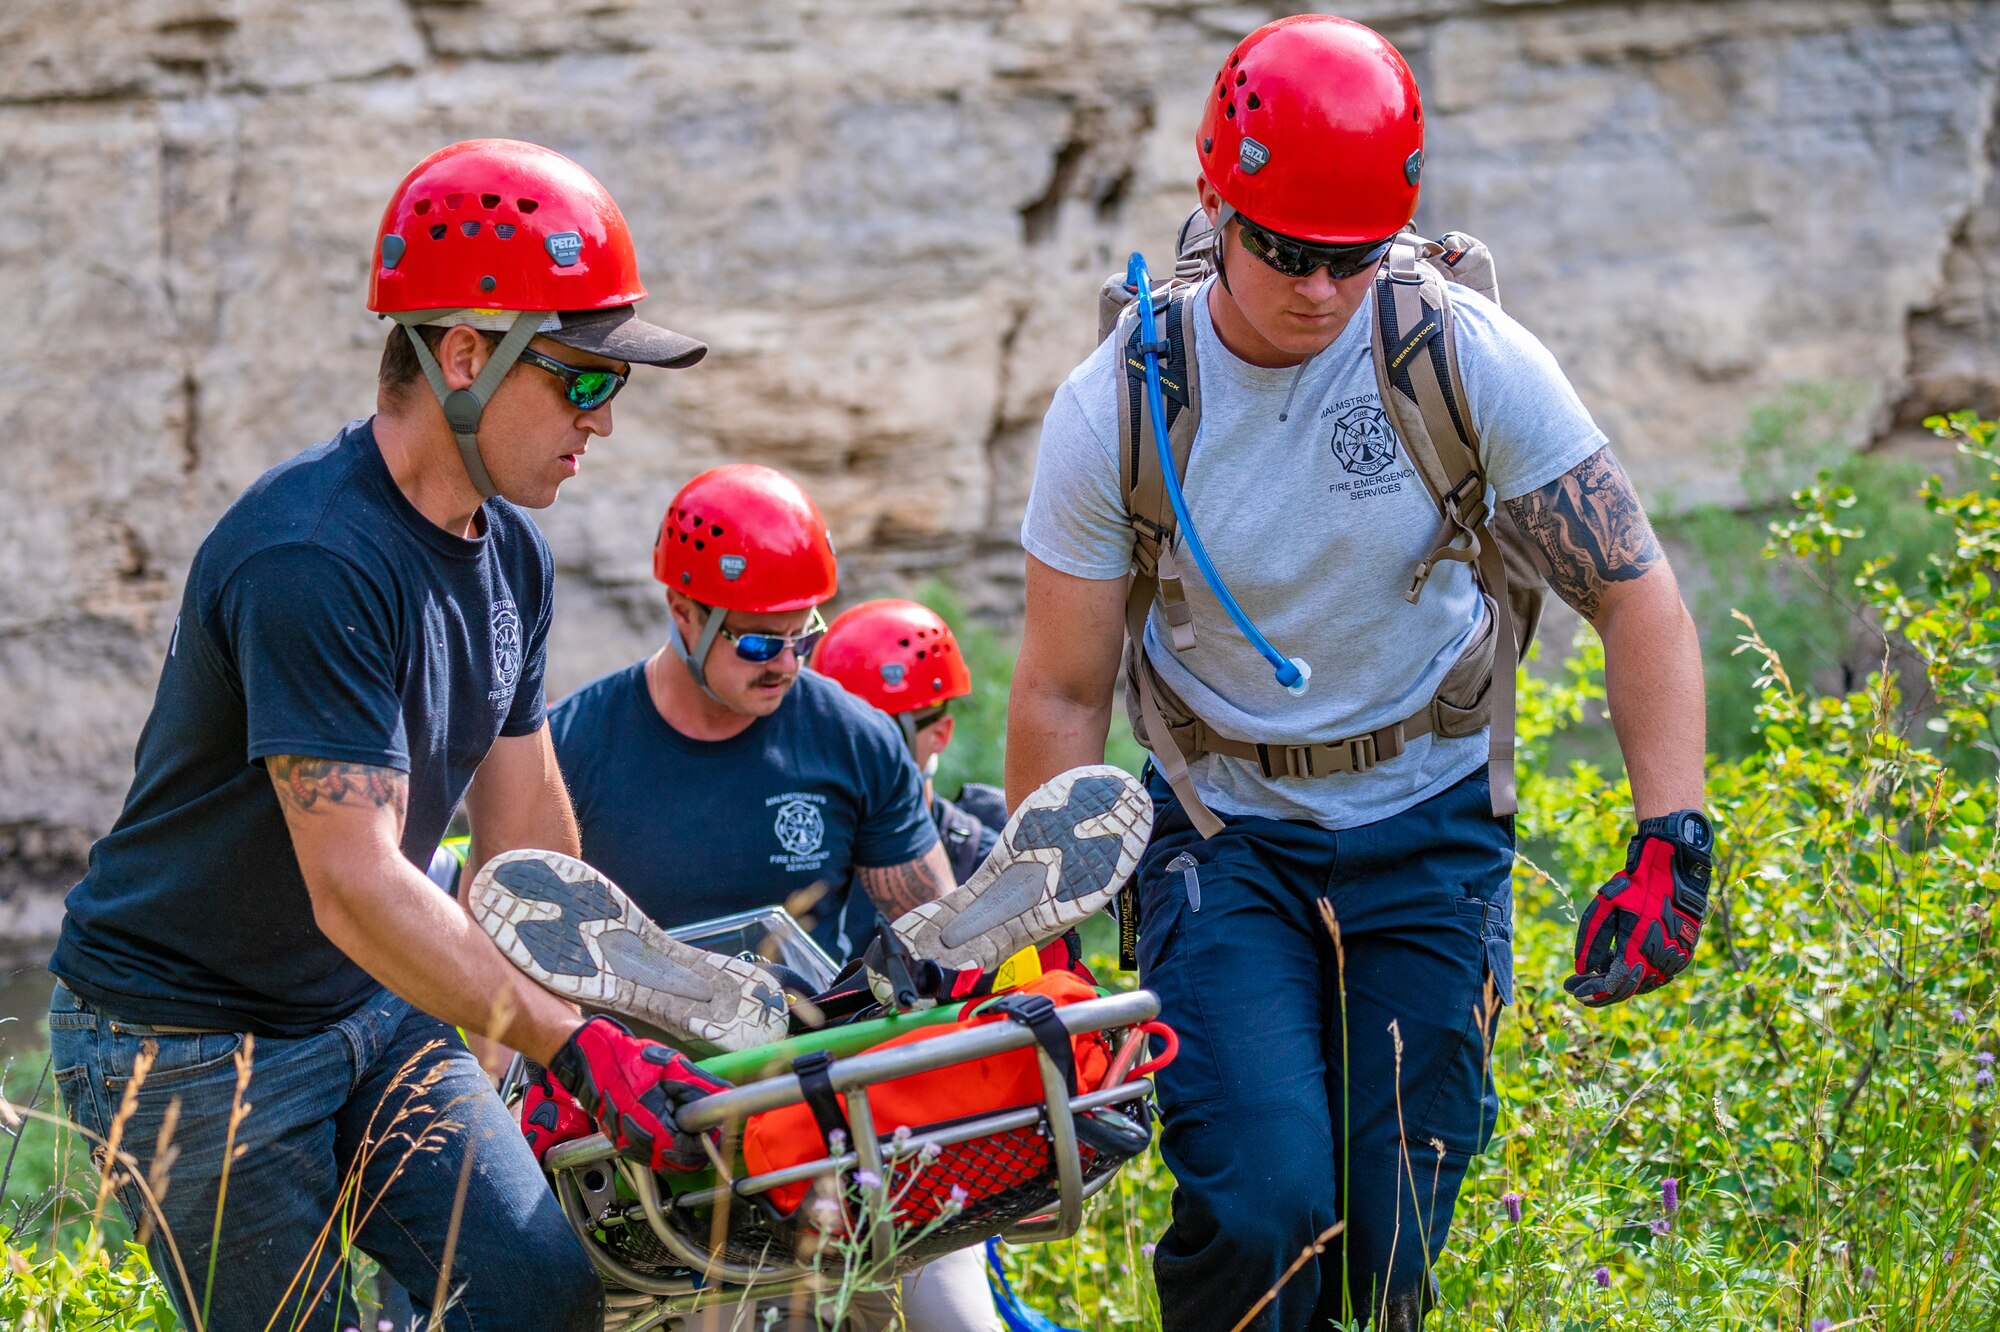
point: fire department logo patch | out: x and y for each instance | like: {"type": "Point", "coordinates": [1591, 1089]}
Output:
{"type": "Point", "coordinates": [1364, 442]}
{"type": "Point", "coordinates": [799, 827]}
{"type": "Point", "coordinates": [506, 647]}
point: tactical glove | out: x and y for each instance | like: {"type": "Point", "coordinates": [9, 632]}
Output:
{"type": "Point", "coordinates": [550, 1115]}
{"type": "Point", "coordinates": [632, 1087]}
{"type": "Point", "coordinates": [1641, 930]}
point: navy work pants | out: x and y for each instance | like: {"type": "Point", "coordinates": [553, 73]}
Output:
{"type": "Point", "coordinates": [1291, 1106]}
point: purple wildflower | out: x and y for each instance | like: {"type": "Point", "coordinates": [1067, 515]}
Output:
{"type": "Point", "coordinates": [1602, 1276]}
{"type": "Point", "coordinates": [1821, 1324]}
{"type": "Point", "coordinates": [1670, 1194]}
{"type": "Point", "coordinates": [385, 1325]}
{"type": "Point", "coordinates": [824, 1211]}
{"type": "Point", "coordinates": [1149, 1248]}
{"type": "Point", "coordinates": [1958, 1016]}
{"type": "Point", "coordinates": [1867, 1274]}
{"type": "Point", "coordinates": [929, 1152]}
{"type": "Point", "coordinates": [902, 1134]}
{"type": "Point", "coordinates": [1984, 1077]}
{"type": "Point", "coordinates": [1512, 1202]}
{"type": "Point", "coordinates": [1984, 1059]}
{"type": "Point", "coordinates": [1663, 1227]}
{"type": "Point", "coordinates": [837, 1140]}
{"type": "Point", "coordinates": [959, 1197]}
{"type": "Point", "coordinates": [868, 1179]}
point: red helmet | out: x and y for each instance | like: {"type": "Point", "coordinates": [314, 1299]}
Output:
{"type": "Point", "coordinates": [497, 224]}
{"type": "Point", "coordinates": [744, 537]}
{"type": "Point", "coordinates": [1314, 130]}
{"type": "Point", "coordinates": [896, 654]}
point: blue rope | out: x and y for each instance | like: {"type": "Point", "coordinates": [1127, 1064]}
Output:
{"type": "Point", "coordinates": [1017, 1316]}
{"type": "Point", "coordinates": [1292, 673]}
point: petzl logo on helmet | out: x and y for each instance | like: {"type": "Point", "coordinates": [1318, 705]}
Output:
{"type": "Point", "coordinates": [1253, 157]}
{"type": "Point", "coordinates": [1413, 166]}
{"type": "Point", "coordinates": [892, 673]}
{"type": "Point", "coordinates": [733, 566]}
{"type": "Point", "coordinates": [565, 247]}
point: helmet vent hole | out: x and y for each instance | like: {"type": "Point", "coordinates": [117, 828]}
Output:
{"type": "Point", "coordinates": [469, 228]}
{"type": "Point", "coordinates": [438, 229]}
{"type": "Point", "coordinates": [1241, 78]}
{"type": "Point", "coordinates": [1221, 91]}
{"type": "Point", "coordinates": [489, 201]}
{"type": "Point", "coordinates": [1236, 60]}
{"type": "Point", "coordinates": [454, 201]}
{"type": "Point", "coordinates": [699, 544]}
{"type": "Point", "coordinates": [1230, 111]}
{"type": "Point", "coordinates": [904, 641]}
{"type": "Point", "coordinates": [526, 205]}
{"type": "Point", "coordinates": [1253, 102]}
{"type": "Point", "coordinates": [714, 531]}
{"type": "Point", "coordinates": [504, 230]}
{"type": "Point", "coordinates": [920, 654]}
{"type": "Point", "coordinates": [423, 206]}
{"type": "Point", "coordinates": [1208, 145]}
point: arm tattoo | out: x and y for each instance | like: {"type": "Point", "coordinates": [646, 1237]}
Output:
{"type": "Point", "coordinates": [897, 888]}
{"type": "Point", "coordinates": [304, 784]}
{"type": "Point", "coordinates": [1588, 525]}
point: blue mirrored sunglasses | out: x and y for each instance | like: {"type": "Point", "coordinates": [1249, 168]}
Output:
{"type": "Point", "coordinates": [768, 647]}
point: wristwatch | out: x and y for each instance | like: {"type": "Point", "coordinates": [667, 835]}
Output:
{"type": "Point", "coordinates": [1693, 838]}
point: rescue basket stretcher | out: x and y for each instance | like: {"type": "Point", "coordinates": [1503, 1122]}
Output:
{"type": "Point", "coordinates": [669, 1244]}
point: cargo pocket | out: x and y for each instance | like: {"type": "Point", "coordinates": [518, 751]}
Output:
{"type": "Point", "coordinates": [1462, 706]}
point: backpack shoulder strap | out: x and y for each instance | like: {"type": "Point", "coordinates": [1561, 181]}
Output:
{"type": "Point", "coordinates": [1154, 568]}
{"type": "Point", "coordinates": [1417, 376]}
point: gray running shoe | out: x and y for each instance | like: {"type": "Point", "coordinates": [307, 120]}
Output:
{"type": "Point", "coordinates": [1069, 847]}
{"type": "Point", "coordinates": [576, 934]}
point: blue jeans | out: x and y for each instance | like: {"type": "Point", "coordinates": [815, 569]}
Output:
{"type": "Point", "coordinates": [360, 1132]}
{"type": "Point", "coordinates": [1289, 1109]}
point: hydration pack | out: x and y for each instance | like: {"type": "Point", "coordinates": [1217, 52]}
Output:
{"type": "Point", "coordinates": [1416, 370]}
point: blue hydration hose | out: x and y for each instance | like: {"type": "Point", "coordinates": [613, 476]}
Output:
{"type": "Point", "coordinates": [1293, 672]}
{"type": "Point", "coordinates": [1017, 1316]}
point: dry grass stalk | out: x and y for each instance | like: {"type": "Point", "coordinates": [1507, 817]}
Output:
{"type": "Point", "coordinates": [128, 1104]}
{"type": "Point", "coordinates": [438, 1298]}
{"type": "Point", "coordinates": [1306, 1255]}
{"type": "Point", "coordinates": [165, 1153]}
{"type": "Point", "coordinates": [238, 1110]}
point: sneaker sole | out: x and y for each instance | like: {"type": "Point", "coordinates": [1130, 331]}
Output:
{"type": "Point", "coordinates": [1069, 847]}
{"type": "Point", "coordinates": [577, 935]}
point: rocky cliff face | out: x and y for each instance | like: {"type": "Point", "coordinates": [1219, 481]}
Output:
{"type": "Point", "coordinates": [889, 218]}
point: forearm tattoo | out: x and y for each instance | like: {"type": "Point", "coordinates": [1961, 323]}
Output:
{"type": "Point", "coordinates": [1589, 526]}
{"type": "Point", "coordinates": [897, 888]}
{"type": "Point", "coordinates": [304, 784]}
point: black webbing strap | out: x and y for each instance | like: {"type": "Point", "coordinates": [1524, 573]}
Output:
{"type": "Point", "coordinates": [1128, 923]}
{"type": "Point", "coordinates": [1037, 1012]}
{"type": "Point", "coordinates": [815, 1072]}
{"type": "Point", "coordinates": [1173, 375]}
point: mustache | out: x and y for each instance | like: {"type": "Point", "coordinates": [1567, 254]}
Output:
{"type": "Point", "coordinates": [770, 678]}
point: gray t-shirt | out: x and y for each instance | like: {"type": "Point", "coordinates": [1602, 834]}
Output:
{"type": "Point", "coordinates": [1315, 524]}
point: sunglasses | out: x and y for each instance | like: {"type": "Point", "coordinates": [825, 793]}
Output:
{"type": "Point", "coordinates": [586, 389]}
{"type": "Point", "coordinates": [918, 721]}
{"type": "Point", "coordinates": [768, 647]}
{"type": "Point", "coordinates": [1298, 259]}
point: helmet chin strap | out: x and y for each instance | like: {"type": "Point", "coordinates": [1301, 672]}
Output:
{"type": "Point", "coordinates": [463, 407]}
{"type": "Point", "coordinates": [1223, 216]}
{"type": "Point", "coordinates": [693, 660]}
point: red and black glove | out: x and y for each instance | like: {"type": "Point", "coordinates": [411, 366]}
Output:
{"type": "Point", "coordinates": [550, 1115]}
{"type": "Point", "coordinates": [1641, 930]}
{"type": "Point", "coordinates": [632, 1087]}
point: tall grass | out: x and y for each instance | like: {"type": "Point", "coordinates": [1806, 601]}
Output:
{"type": "Point", "coordinates": [1796, 1135]}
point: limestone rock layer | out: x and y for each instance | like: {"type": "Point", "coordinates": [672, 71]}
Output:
{"type": "Point", "coordinates": [889, 219]}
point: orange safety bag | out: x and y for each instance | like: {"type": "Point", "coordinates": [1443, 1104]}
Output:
{"type": "Point", "coordinates": [981, 1168]}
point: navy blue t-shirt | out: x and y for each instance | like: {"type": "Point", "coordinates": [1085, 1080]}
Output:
{"type": "Point", "coordinates": [693, 829]}
{"type": "Point", "coordinates": [324, 616]}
